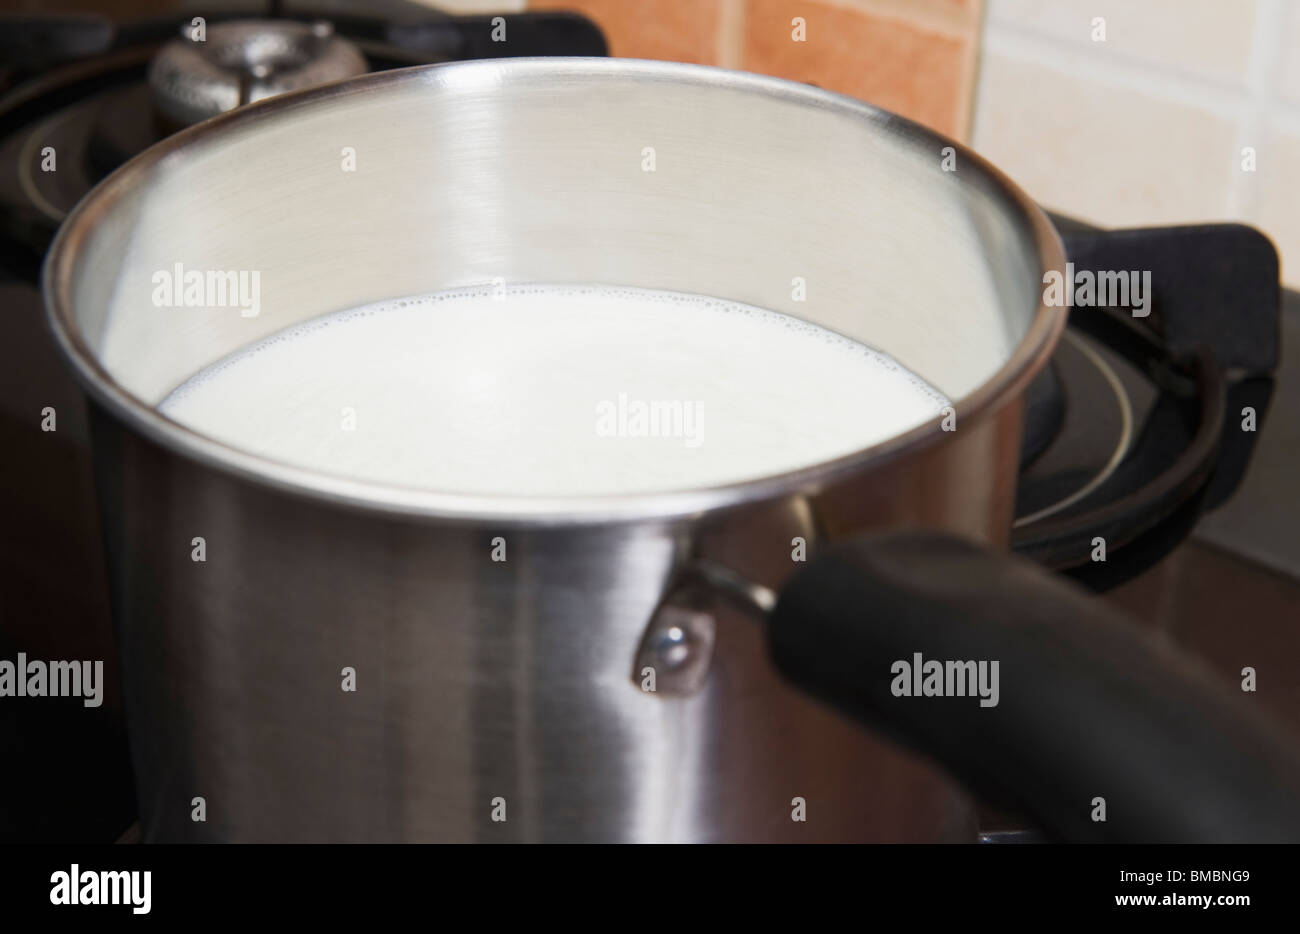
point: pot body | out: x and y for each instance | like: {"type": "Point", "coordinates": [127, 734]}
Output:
{"type": "Point", "coordinates": [355, 662]}
{"type": "Point", "coordinates": [489, 687]}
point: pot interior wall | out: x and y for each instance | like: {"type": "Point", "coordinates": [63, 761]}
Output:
{"type": "Point", "coordinates": [624, 173]}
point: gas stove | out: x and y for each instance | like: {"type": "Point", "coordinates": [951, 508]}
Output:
{"type": "Point", "coordinates": [90, 93]}
{"type": "Point", "coordinates": [1134, 436]}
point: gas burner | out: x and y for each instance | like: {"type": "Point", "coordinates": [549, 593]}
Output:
{"type": "Point", "coordinates": [141, 83]}
{"type": "Point", "coordinates": [245, 61]}
{"type": "Point", "coordinates": [1078, 428]}
{"type": "Point", "coordinates": [1129, 440]}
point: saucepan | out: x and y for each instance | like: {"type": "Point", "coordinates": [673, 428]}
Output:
{"type": "Point", "coordinates": [308, 656]}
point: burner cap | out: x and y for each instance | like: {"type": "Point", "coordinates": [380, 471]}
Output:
{"type": "Point", "coordinates": [245, 61]}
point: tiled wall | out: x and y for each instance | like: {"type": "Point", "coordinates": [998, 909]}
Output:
{"type": "Point", "coordinates": [1148, 126]}
{"type": "Point", "coordinates": [916, 57]}
{"type": "Point", "coordinates": [1144, 126]}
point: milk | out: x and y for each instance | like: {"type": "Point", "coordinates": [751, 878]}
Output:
{"type": "Point", "coordinates": [554, 390]}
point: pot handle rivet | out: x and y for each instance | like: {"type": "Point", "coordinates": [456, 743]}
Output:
{"type": "Point", "coordinates": [677, 646]}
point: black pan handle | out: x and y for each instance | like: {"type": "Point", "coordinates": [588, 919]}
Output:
{"type": "Point", "coordinates": [1089, 706]}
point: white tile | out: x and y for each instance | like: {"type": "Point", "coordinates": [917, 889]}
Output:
{"type": "Point", "coordinates": [1288, 85]}
{"type": "Point", "coordinates": [1272, 201]}
{"type": "Point", "coordinates": [1098, 149]}
{"type": "Point", "coordinates": [1210, 37]}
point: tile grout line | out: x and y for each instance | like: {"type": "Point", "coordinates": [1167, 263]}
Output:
{"type": "Point", "coordinates": [1120, 71]}
{"type": "Point", "coordinates": [731, 34]}
{"type": "Point", "coordinates": [977, 77]}
{"type": "Point", "coordinates": [971, 62]}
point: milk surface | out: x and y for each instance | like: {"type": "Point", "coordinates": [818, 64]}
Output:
{"type": "Point", "coordinates": [554, 390]}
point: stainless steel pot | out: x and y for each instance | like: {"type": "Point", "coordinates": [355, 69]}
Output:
{"type": "Point", "coordinates": [513, 688]}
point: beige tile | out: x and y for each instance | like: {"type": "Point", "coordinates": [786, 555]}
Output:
{"type": "Point", "coordinates": [1272, 196]}
{"type": "Point", "coordinates": [1288, 86]}
{"type": "Point", "coordinates": [893, 63]}
{"type": "Point", "coordinates": [1099, 150]}
{"type": "Point", "coordinates": [1211, 37]}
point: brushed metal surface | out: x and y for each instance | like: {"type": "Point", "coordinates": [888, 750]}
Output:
{"type": "Point", "coordinates": [479, 679]}
{"type": "Point", "coordinates": [475, 679]}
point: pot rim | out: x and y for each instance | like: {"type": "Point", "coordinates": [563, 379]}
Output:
{"type": "Point", "coordinates": [1027, 358]}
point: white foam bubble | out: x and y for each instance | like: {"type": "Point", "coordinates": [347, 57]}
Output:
{"type": "Point", "coordinates": [535, 390]}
